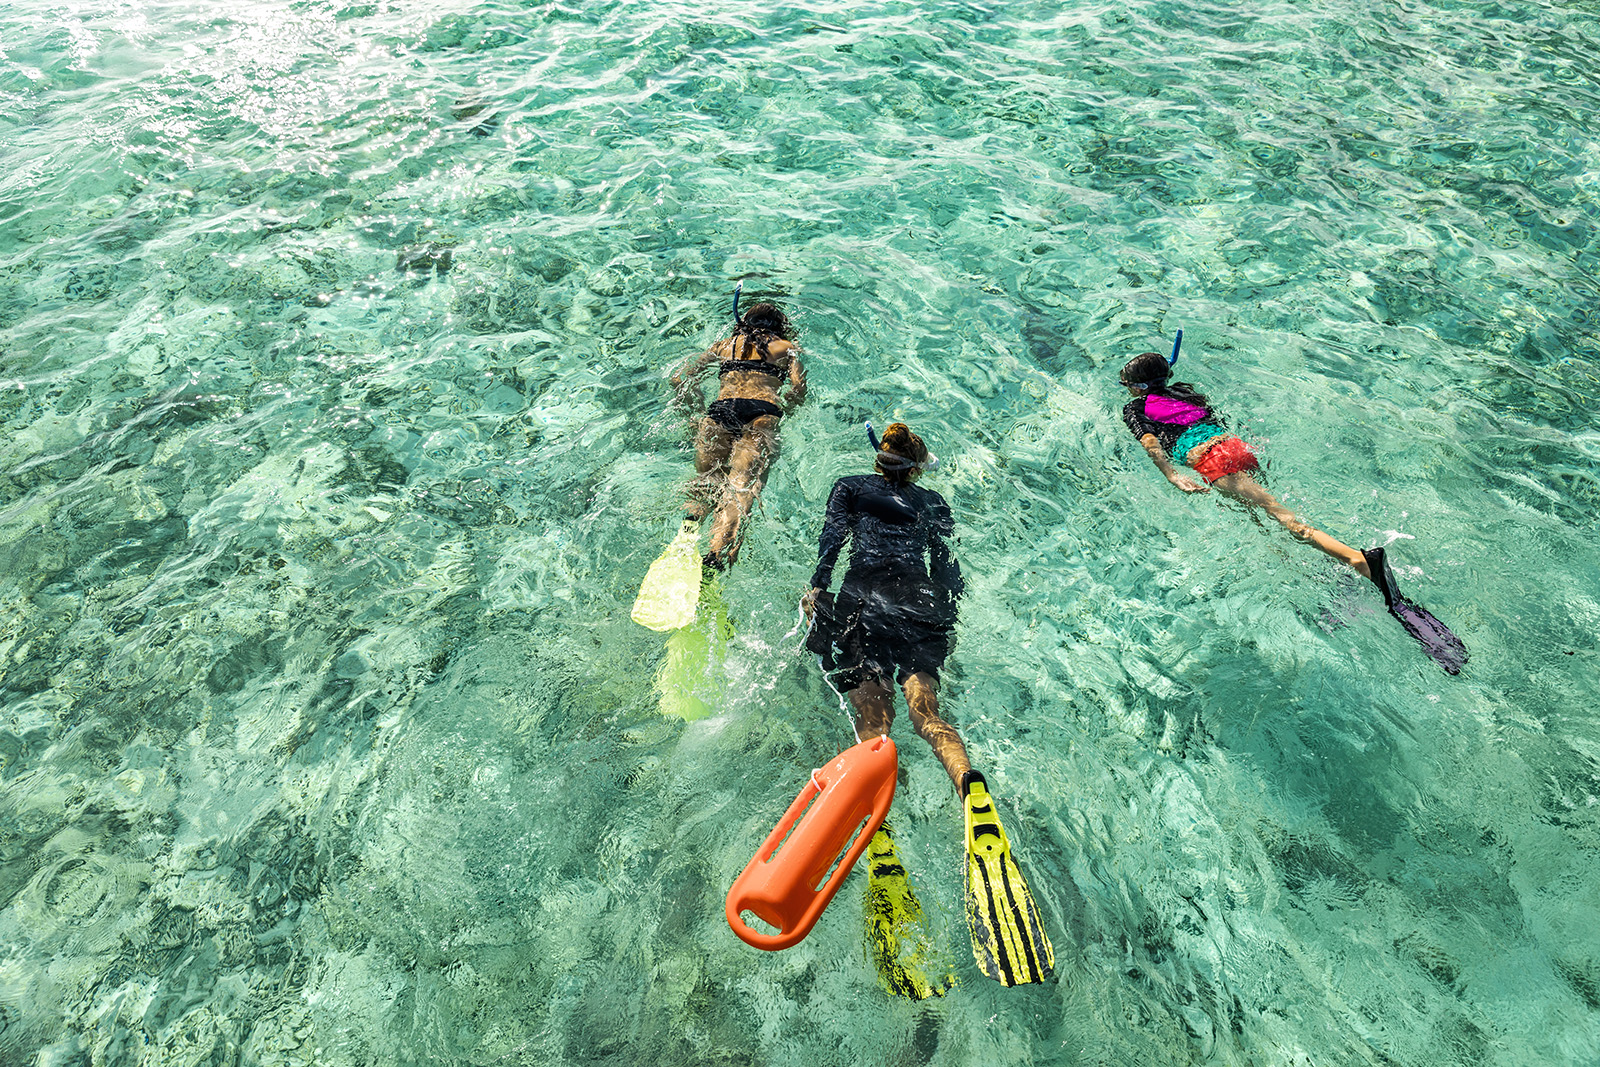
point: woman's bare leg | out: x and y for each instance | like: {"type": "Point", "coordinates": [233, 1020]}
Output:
{"type": "Point", "coordinates": [922, 697]}
{"type": "Point", "coordinates": [1242, 487]}
{"type": "Point", "coordinates": [712, 445]}
{"type": "Point", "coordinates": [748, 464]}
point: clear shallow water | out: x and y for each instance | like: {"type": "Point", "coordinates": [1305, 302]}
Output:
{"type": "Point", "coordinates": [327, 739]}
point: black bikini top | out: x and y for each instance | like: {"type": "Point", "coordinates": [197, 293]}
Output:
{"type": "Point", "coordinates": [761, 365]}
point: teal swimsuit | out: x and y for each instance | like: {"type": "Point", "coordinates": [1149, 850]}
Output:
{"type": "Point", "coordinates": [1198, 434]}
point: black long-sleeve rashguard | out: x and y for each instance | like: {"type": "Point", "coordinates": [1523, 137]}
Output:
{"type": "Point", "coordinates": [895, 528]}
{"type": "Point", "coordinates": [897, 603]}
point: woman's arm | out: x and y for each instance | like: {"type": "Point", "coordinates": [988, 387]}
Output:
{"type": "Point", "coordinates": [797, 381]}
{"type": "Point", "coordinates": [686, 379]}
{"type": "Point", "coordinates": [1158, 456]}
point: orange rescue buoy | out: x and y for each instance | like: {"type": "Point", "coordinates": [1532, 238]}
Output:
{"type": "Point", "coordinates": [787, 884]}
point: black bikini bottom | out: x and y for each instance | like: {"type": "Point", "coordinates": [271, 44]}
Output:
{"type": "Point", "coordinates": [738, 413]}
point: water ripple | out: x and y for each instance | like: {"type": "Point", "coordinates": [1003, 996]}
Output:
{"type": "Point", "coordinates": [333, 355]}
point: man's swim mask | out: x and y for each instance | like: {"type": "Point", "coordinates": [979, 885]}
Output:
{"type": "Point", "coordinates": [891, 461]}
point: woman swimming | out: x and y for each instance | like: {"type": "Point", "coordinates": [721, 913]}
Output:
{"type": "Point", "coordinates": [1174, 421]}
{"type": "Point", "coordinates": [737, 438]}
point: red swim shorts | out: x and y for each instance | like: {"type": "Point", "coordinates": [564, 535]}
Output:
{"type": "Point", "coordinates": [1228, 456]}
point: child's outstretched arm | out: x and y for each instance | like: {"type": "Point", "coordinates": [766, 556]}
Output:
{"type": "Point", "coordinates": [1159, 457]}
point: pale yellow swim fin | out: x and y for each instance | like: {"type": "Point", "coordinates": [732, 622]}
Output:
{"type": "Point", "coordinates": [671, 587]}
{"type": "Point", "coordinates": [689, 682]}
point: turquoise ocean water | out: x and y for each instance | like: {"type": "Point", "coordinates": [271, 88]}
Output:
{"type": "Point", "coordinates": [326, 738]}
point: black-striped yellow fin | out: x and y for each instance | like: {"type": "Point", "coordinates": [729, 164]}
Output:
{"type": "Point", "coordinates": [1008, 940]}
{"type": "Point", "coordinates": [897, 943]}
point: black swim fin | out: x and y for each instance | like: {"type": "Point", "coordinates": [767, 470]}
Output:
{"type": "Point", "coordinates": [1444, 647]}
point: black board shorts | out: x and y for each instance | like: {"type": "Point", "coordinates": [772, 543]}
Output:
{"type": "Point", "coordinates": [886, 631]}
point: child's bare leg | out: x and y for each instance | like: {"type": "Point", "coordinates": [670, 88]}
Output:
{"type": "Point", "coordinates": [1242, 487]}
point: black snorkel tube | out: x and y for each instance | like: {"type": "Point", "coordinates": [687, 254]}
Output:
{"type": "Point", "coordinates": [738, 287]}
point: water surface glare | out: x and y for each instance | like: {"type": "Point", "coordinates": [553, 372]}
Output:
{"type": "Point", "coordinates": [334, 442]}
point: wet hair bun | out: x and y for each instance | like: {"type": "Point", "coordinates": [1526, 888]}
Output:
{"type": "Point", "coordinates": [900, 441]}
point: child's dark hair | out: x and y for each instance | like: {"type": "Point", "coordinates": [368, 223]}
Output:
{"type": "Point", "coordinates": [1147, 368]}
{"type": "Point", "coordinates": [1151, 370]}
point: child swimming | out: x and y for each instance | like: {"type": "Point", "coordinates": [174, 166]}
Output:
{"type": "Point", "coordinates": [1174, 421]}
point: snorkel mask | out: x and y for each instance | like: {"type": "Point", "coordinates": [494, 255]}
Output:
{"type": "Point", "coordinates": [891, 461]}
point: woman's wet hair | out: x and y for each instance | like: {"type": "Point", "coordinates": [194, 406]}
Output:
{"type": "Point", "coordinates": [1147, 368]}
{"type": "Point", "coordinates": [898, 442]}
{"type": "Point", "coordinates": [765, 319]}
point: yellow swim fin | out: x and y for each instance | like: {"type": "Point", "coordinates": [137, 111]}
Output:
{"type": "Point", "coordinates": [686, 683]}
{"type": "Point", "coordinates": [897, 941]}
{"type": "Point", "coordinates": [1008, 940]}
{"type": "Point", "coordinates": [671, 587]}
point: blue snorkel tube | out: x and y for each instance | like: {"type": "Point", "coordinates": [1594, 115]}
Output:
{"type": "Point", "coordinates": [738, 287]}
{"type": "Point", "coordinates": [1177, 342]}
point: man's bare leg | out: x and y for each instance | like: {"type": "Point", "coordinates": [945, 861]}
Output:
{"type": "Point", "coordinates": [922, 697]}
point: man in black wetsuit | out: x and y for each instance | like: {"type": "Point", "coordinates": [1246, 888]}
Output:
{"type": "Point", "coordinates": [892, 620]}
